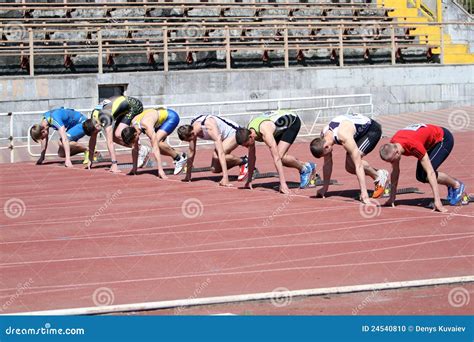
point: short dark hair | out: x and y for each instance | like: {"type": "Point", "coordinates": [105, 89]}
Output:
{"type": "Point", "coordinates": [242, 135]}
{"type": "Point", "coordinates": [35, 132]}
{"type": "Point", "coordinates": [317, 147]}
{"type": "Point", "coordinates": [128, 134]}
{"type": "Point", "coordinates": [387, 151]}
{"type": "Point", "coordinates": [184, 132]}
{"type": "Point", "coordinates": [89, 126]}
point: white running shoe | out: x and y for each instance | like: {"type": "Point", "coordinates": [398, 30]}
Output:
{"type": "Point", "coordinates": [180, 163]}
{"type": "Point", "coordinates": [142, 155]}
{"type": "Point", "coordinates": [381, 183]}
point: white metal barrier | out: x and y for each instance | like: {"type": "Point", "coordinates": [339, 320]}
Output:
{"type": "Point", "coordinates": [314, 111]}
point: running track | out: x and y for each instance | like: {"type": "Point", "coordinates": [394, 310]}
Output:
{"type": "Point", "coordinates": [130, 239]}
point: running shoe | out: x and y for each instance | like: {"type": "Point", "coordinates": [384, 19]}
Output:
{"type": "Point", "coordinates": [86, 158]}
{"type": "Point", "coordinates": [244, 170]}
{"type": "Point", "coordinates": [143, 155]}
{"type": "Point", "coordinates": [381, 183]}
{"type": "Point", "coordinates": [180, 163]}
{"type": "Point", "coordinates": [456, 195]}
{"type": "Point", "coordinates": [450, 193]}
{"type": "Point", "coordinates": [306, 174]}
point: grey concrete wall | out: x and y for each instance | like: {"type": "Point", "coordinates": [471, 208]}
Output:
{"type": "Point", "coordinates": [396, 89]}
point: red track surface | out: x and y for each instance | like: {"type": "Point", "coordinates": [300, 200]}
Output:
{"type": "Point", "coordinates": [143, 248]}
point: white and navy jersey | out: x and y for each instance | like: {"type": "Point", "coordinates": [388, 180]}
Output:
{"type": "Point", "coordinates": [362, 124]}
{"type": "Point", "coordinates": [225, 127]}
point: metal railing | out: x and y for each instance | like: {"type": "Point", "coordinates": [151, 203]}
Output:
{"type": "Point", "coordinates": [468, 5]}
{"type": "Point", "coordinates": [157, 41]}
{"type": "Point", "coordinates": [314, 111]}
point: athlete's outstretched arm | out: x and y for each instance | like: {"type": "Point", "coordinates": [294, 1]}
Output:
{"type": "Point", "coordinates": [155, 140]}
{"type": "Point", "coordinates": [351, 148]}
{"type": "Point", "coordinates": [431, 174]}
{"type": "Point", "coordinates": [213, 132]}
{"type": "Point", "coordinates": [327, 172]}
{"type": "Point", "coordinates": [44, 147]}
{"type": "Point", "coordinates": [135, 148]}
{"type": "Point", "coordinates": [190, 162]}
{"type": "Point", "coordinates": [252, 160]}
{"type": "Point", "coordinates": [109, 136]}
{"type": "Point", "coordinates": [92, 143]}
{"type": "Point", "coordinates": [269, 139]}
{"type": "Point", "coordinates": [67, 148]}
{"type": "Point", "coordinates": [394, 176]}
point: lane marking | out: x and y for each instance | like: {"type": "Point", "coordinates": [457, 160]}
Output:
{"type": "Point", "coordinates": [251, 297]}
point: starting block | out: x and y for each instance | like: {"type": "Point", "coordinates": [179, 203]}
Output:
{"type": "Point", "coordinates": [401, 191]}
{"type": "Point", "coordinates": [151, 163]}
{"type": "Point", "coordinates": [311, 185]}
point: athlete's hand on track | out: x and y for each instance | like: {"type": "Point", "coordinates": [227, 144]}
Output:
{"type": "Point", "coordinates": [114, 169]}
{"type": "Point", "coordinates": [68, 163]}
{"type": "Point", "coordinates": [186, 179]}
{"type": "Point", "coordinates": [366, 200]}
{"type": "Point", "coordinates": [438, 206]}
{"type": "Point", "coordinates": [162, 174]}
{"type": "Point", "coordinates": [225, 183]}
{"type": "Point", "coordinates": [248, 185]}
{"type": "Point", "coordinates": [132, 172]}
{"type": "Point", "coordinates": [284, 189]}
{"type": "Point", "coordinates": [321, 193]}
{"type": "Point", "coordinates": [88, 165]}
{"type": "Point", "coordinates": [390, 203]}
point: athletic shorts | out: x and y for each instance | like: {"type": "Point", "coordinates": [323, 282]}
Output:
{"type": "Point", "coordinates": [76, 132]}
{"type": "Point", "coordinates": [289, 135]}
{"type": "Point", "coordinates": [437, 154]}
{"type": "Point", "coordinates": [367, 142]}
{"type": "Point", "coordinates": [171, 122]}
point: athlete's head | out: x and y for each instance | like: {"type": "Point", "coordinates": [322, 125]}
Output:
{"type": "Point", "coordinates": [244, 137]}
{"type": "Point", "coordinates": [130, 135]}
{"type": "Point", "coordinates": [186, 133]}
{"type": "Point", "coordinates": [39, 131]}
{"type": "Point", "coordinates": [320, 147]}
{"type": "Point", "coordinates": [91, 126]}
{"type": "Point", "coordinates": [390, 153]}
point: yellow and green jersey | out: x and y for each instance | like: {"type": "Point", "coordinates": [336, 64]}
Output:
{"type": "Point", "coordinates": [283, 119]}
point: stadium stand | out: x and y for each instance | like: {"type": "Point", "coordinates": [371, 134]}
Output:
{"type": "Point", "coordinates": [66, 37]}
